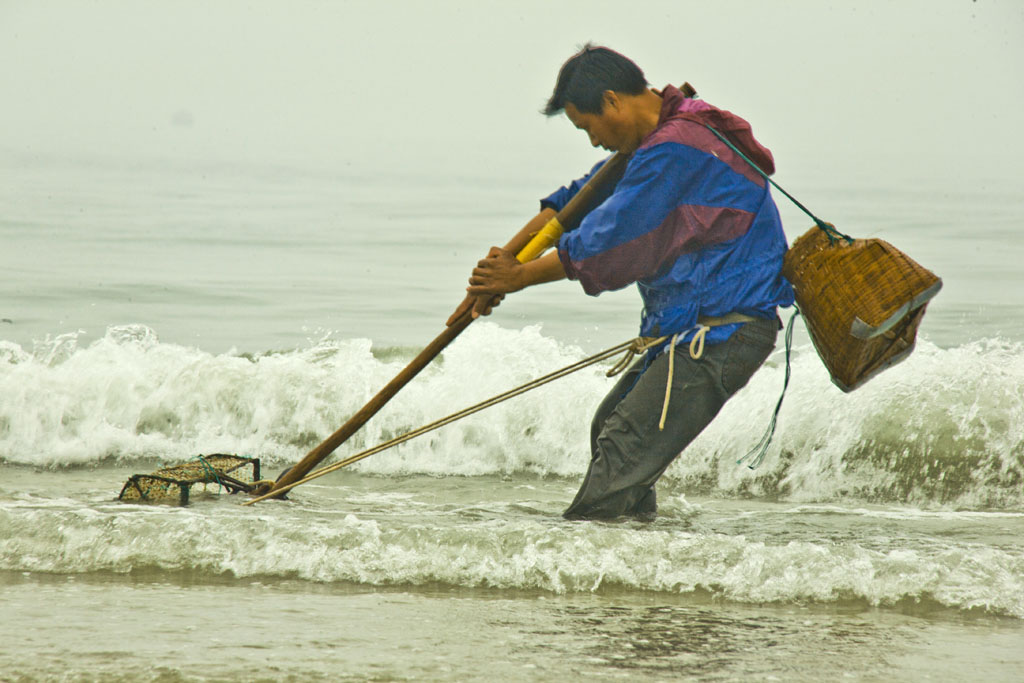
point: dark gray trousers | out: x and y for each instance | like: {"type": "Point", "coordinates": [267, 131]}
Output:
{"type": "Point", "coordinates": [629, 452]}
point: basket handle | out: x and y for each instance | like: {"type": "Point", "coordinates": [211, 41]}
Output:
{"type": "Point", "coordinates": [829, 229]}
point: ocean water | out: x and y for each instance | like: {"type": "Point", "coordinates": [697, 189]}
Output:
{"type": "Point", "coordinates": [153, 312]}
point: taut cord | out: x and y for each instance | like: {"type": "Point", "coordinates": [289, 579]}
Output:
{"type": "Point", "coordinates": [558, 374]}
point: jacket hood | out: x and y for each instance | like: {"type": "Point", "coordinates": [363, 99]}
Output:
{"type": "Point", "coordinates": [675, 106]}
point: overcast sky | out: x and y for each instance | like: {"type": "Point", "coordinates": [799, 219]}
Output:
{"type": "Point", "coordinates": [894, 89]}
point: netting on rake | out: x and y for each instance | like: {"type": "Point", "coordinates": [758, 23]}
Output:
{"type": "Point", "coordinates": [173, 484]}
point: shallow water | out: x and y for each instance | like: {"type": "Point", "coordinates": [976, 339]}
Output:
{"type": "Point", "coordinates": [156, 313]}
{"type": "Point", "coordinates": [171, 628]}
{"type": "Point", "coordinates": [417, 577]}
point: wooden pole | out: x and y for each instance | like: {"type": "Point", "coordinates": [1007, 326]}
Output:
{"type": "Point", "coordinates": [590, 195]}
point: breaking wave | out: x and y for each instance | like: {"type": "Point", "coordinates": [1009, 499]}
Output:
{"type": "Point", "coordinates": [501, 549]}
{"type": "Point", "coordinates": [944, 428]}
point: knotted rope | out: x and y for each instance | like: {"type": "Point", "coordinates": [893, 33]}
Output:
{"type": "Point", "coordinates": [643, 344]}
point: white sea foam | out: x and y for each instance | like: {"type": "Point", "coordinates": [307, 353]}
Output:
{"type": "Point", "coordinates": [946, 427]}
{"type": "Point", "coordinates": [502, 551]}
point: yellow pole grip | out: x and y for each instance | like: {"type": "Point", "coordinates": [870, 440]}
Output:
{"type": "Point", "coordinates": [546, 237]}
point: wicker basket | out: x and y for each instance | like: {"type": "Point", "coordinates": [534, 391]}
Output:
{"type": "Point", "coordinates": [862, 302]}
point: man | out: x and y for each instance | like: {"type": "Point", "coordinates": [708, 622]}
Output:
{"type": "Point", "coordinates": [694, 226]}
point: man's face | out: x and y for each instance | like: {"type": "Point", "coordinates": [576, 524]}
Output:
{"type": "Point", "coordinates": [607, 129]}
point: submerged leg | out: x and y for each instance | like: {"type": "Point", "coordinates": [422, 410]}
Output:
{"type": "Point", "coordinates": [629, 452]}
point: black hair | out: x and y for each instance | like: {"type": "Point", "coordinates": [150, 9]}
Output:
{"type": "Point", "coordinates": [586, 75]}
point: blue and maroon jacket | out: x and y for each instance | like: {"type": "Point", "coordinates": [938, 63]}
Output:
{"type": "Point", "coordinates": [690, 222]}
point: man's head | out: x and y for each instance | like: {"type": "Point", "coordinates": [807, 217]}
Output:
{"type": "Point", "coordinates": [584, 78]}
{"type": "Point", "coordinates": [605, 95]}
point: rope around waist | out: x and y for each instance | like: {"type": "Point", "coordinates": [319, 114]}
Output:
{"type": "Point", "coordinates": [643, 344]}
{"type": "Point", "coordinates": [704, 324]}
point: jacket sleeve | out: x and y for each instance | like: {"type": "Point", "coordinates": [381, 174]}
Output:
{"type": "Point", "coordinates": [674, 199]}
{"type": "Point", "coordinates": [620, 242]}
{"type": "Point", "coordinates": [560, 197]}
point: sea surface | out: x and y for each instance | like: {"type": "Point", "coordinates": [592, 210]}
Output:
{"type": "Point", "coordinates": [152, 312]}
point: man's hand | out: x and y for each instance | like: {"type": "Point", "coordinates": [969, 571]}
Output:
{"type": "Point", "coordinates": [499, 273]}
{"type": "Point", "coordinates": [481, 300]}
{"type": "Point", "coordinates": [488, 284]}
